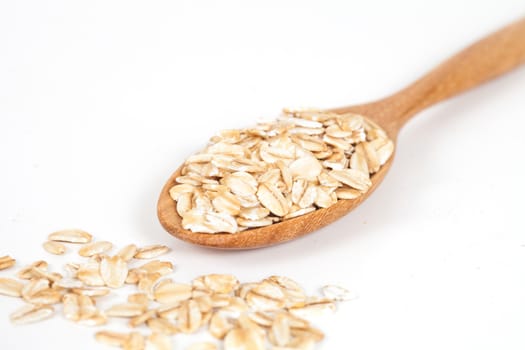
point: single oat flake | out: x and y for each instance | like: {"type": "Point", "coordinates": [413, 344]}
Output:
{"type": "Point", "coordinates": [6, 262]}
{"type": "Point", "coordinates": [112, 338]}
{"type": "Point", "coordinates": [151, 252]}
{"type": "Point", "coordinates": [31, 313]}
{"type": "Point", "coordinates": [337, 293]}
{"type": "Point", "coordinates": [275, 171]}
{"type": "Point", "coordinates": [158, 341]}
{"type": "Point", "coordinates": [10, 287]}
{"type": "Point", "coordinates": [71, 236]}
{"type": "Point", "coordinates": [95, 248]}
{"type": "Point", "coordinates": [55, 248]}
{"type": "Point", "coordinates": [113, 271]}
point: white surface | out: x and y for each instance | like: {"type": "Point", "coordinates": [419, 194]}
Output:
{"type": "Point", "coordinates": [100, 101]}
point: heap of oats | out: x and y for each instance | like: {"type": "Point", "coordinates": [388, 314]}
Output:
{"type": "Point", "coordinates": [270, 314]}
{"type": "Point", "coordinates": [303, 161]}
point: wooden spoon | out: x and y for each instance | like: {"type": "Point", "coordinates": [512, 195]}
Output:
{"type": "Point", "coordinates": [486, 59]}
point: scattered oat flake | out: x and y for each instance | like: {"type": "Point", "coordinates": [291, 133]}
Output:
{"type": "Point", "coordinates": [162, 267]}
{"type": "Point", "coordinates": [162, 326]}
{"type": "Point", "coordinates": [337, 293]}
{"type": "Point", "coordinates": [243, 339]}
{"type": "Point", "coordinates": [171, 292]}
{"type": "Point", "coordinates": [95, 248]}
{"type": "Point", "coordinates": [71, 307]}
{"type": "Point", "coordinates": [6, 262]}
{"type": "Point", "coordinates": [89, 274]}
{"type": "Point", "coordinates": [221, 283]}
{"type": "Point", "coordinates": [54, 247]}
{"type": "Point", "coordinates": [135, 341]}
{"type": "Point", "coordinates": [128, 252]}
{"type": "Point", "coordinates": [143, 318]}
{"type": "Point", "coordinates": [189, 317]}
{"type": "Point", "coordinates": [71, 236]}
{"type": "Point", "coordinates": [125, 310]}
{"type": "Point", "coordinates": [113, 271]}
{"type": "Point", "coordinates": [309, 333]}
{"type": "Point", "coordinates": [28, 272]}
{"type": "Point", "coordinates": [138, 298]}
{"type": "Point", "coordinates": [34, 286]}
{"type": "Point", "coordinates": [45, 297]}
{"type": "Point", "coordinates": [68, 283]}
{"type": "Point", "coordinates": [220, 325]}
{"type": "Point", "coordinates": [94, 320]}
{"type": "Point", "coordinates": [10, 287]}
{"type": "Point", "coordinates": [159, 341]}
{"type": "Point", "coordinates": [91, 292]}
{"type": "Point", "coordinates": [313, 308]}
{"type": "Point", "coordinates": [280, 330]}
{"type": "Point", "coordinates": [151, 252]}
{"type": "Point", "coordinates": [147, 282]}
{"type": "Point", "coordinates": [31, 313]}
{"type": "Point", "coordinates": [112, 338]}
{"type": "Point", "coordinates": [87, 307]}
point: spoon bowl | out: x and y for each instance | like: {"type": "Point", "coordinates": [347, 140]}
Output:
{"type": "Point", "coordinates": [492, 56]}
{"type": "Point", "coordinates": [263, 236]}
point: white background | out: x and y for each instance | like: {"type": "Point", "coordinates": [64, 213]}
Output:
{"type": "Point", "coordinates": [101, 100]}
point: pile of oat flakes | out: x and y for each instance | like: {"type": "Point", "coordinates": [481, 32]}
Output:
{"type": "Point", "coordinates": [270, 314]}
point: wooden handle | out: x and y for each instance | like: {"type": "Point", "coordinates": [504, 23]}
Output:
{"type": "Point", "coordinates": [482, 61]}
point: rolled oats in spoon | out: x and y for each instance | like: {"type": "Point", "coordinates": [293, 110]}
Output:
{"type": "Point", "coordinates": [303, 161]}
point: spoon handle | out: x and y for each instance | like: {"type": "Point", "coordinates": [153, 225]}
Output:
{"type": "Point", "coordinates": [486, 59]}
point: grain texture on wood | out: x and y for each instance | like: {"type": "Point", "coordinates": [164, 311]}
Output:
{"type": "Point", "coordinates": [488, 58]}
{"type": "Point", "coordinates": [484, 60]}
